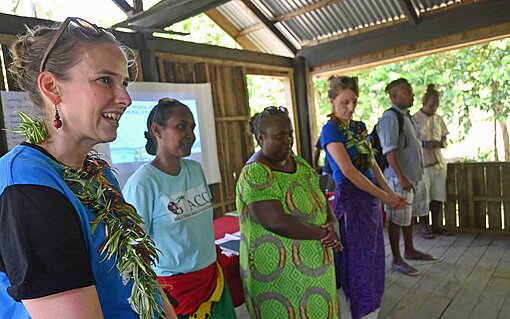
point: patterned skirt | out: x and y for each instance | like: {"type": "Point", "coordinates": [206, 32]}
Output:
{"type": "Point", "coordinates": [360, 267]}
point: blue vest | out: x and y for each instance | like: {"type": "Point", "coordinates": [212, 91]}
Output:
{"type": "Point", "coordinates": [27, 165]}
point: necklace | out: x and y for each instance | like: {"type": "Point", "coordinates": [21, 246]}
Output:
{"type": "Point", "coordinates": [365, 157]}
{"type": "Point", "coordinates": [125, 240]}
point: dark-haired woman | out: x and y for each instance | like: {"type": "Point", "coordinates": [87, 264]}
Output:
{"type": "Point", "coordinates": [60, 204]}
{"type": "Point", "coordinates": [172, 196]}
{"type": "Point", "coordinates": [360, 187]}
{"type": "Point", "coordinates": [287, 230]}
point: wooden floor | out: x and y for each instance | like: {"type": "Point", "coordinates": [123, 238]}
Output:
{"type": "Point", "coordinates": [470, 279]}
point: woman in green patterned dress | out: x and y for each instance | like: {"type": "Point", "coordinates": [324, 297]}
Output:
{"type": "Point", "coordinates": [287, 229]}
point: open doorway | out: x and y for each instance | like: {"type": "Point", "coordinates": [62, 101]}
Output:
{"type": "Point", "coordinates": [268, 90]}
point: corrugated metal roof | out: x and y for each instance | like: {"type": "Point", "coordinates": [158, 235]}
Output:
{"type": "Point", "coordinates": [244, 19]}
{"type": "Point", "coordinates": [308, 22]}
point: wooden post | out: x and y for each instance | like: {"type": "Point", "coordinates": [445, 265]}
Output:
{"type": "Point", "coordinates": [478, 184]}
{"type": "Point", "coordinates": [462, 195]}
{"type": "Point", "coordinates": [450, 207]}
{"type": "Point", "coordinates": [493, 177]}
{"type": "Point", "coordinates": [505, 187]}
{"type": "Point", "coordinates": [471, 206]}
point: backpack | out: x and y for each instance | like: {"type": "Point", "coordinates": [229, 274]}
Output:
{"type": "Point", "coordinates": [376, 142]}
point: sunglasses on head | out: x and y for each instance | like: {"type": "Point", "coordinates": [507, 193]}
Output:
{"type": "Point", "coordinates": [346, 80]}
{"type": "Point", "coordinates": [165, 100]}
{"type": "Point", "coordinates": [83, 25]}
{"type": "Point", "coordinates": [276, 109]}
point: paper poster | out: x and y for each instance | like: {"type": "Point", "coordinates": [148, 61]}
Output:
{"type": "Point", "coordinates": [12, 102]}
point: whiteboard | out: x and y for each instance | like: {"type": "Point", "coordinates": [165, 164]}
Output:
{"type": "Point", "coordinates": [13, 102]}
{"type": "Point", "coordinates": [130, 134]}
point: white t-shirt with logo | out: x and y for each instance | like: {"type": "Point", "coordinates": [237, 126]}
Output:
{"type": "Point", "coordinates": [177, 214]}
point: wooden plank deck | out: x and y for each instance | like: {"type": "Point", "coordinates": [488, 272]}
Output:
{"type": "Point", "coordinates": [470, 279]}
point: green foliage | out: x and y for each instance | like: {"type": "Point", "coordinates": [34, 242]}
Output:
{"type": "Point", "coordinates": [125, 240]}
{"type": "Point", "coordinates": [201, 29]}
{"type": "Point", "coordinates": [484, 155]}
{"type": "Point", "coordinates": [265, 91]}
{"type": "Point", "coordinates": [33, 130]}
{"type": "Point", "coordinates": [366, 154]}
{"type": "Point", "coordinates": [471, 78]}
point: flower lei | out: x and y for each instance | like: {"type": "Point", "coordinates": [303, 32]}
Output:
{"type": "Point", "coordinates": [365, 156]}
{"type": "Point", "coordinates": [125, 240]}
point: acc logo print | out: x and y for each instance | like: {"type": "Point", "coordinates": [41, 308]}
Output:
{"type": "Point", "coordinates": [174, 208]}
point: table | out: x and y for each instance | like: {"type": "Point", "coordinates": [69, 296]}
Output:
{"type": "Point", "coordinates": [230, 265]}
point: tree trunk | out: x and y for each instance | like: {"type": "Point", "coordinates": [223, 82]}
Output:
{"type": "Point", "coordinates": [506, 139]}
{"type": "Point", "coordinates": [497, 107]}
{"type": "Point", "coordinates": [496, 157]}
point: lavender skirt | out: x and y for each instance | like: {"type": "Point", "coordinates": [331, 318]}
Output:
{"type": "Point", "coordinates": [360, 267]}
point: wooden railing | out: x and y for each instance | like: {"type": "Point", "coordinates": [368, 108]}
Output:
{"type": "Point", "coordinates": [478, 197]}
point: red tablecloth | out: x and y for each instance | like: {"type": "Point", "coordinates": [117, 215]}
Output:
{"type": "Point", "coordinates": [222, 226]}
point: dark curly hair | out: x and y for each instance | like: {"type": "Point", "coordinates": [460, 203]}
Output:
{"type": "Point", "coordinates": [159, 115]}
{"type": "Point", "coordinates": [394, 83]}
{"type": "Point", "coordinates": [260, 121]}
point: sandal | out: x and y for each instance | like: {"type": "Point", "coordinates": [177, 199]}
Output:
{"type": "Point", "coordinates": [405, 269]}
{"type": "Point", "coordinates": [421, 256]}
{"type": "Point", "coordinates": [442, 231]}
{"type": "Point", "coordinates": [428, 235]}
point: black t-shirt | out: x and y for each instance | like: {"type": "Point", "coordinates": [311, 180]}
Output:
{"type": "Point", "coordinates": [42, 249]}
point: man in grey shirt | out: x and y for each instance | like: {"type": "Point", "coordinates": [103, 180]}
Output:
{"type": "Point", "coordinates": [404, 174]}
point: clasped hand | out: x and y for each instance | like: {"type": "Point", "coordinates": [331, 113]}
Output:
{"type": "Point", "coordinates": [331, 239]}
{"type": "Point", "coordinates": [396, 202]}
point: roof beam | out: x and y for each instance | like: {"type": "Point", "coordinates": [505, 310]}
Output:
{"type": "Point", "coordinates": [433, 26]}
{"type": "Point", "coordinates": [12, 24]}
{"type": "Point", "coordinates": [290, 15]}
{"type": "Point", "coordinates": [252, 29]}
{"type": "Point", "coordinates": [305, 9]}
{"type": "Point", "coordinates": [168, 12]}
{"type": "Point", "coordinates": [137, 6]}
{"type": "Point", "coordinates": [190, 49]}
{"type": "Point", "coordinates": [124, 6]}
{"type": "Point", "coordinates": [238, 35]}
{"type": "Point", "coordinates": [127, 8]}
{"type": "Point", "coordinates": [409, 12]}
{"type": "Point", "coordinates": [270, 25]}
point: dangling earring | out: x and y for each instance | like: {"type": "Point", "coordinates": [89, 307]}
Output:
{"type": "Point", "coordinates": [57, 122]}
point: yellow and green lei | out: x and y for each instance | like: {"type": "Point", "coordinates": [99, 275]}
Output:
{"type": "Point", "coordinates": [365, 157]}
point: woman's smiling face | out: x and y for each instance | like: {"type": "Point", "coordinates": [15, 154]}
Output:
{"type": "Point", "coordinates": [177, 136]}
{"type": "Point", "coordinates": [94, 97]}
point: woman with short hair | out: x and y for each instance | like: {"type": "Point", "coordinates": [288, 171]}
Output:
{"type": "Point", "coordinates": [288, 232]}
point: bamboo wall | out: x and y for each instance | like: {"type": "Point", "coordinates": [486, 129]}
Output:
{"type": "Point", "coordinates": [478, 197]}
